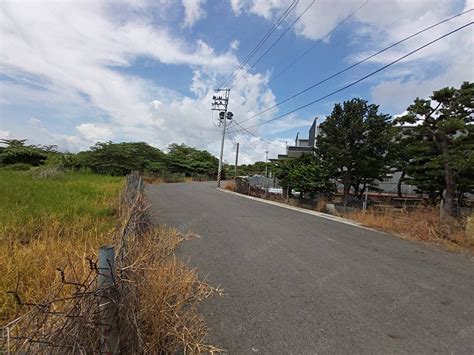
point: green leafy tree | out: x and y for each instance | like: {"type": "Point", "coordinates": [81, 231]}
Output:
{"type": "Point", "coordinates": [191, 161]}
{"type": "Point", "coordinates": [282, 170]}
{"type": "Point", "coordinates": [311, 176]}
{"type": "Point", "coordinates": [121, 158]}
{"type": "Point", "coordinates": [355, 140]}
{"type": "Point", "coordinates": [443, 126]}
{"type": "Point", "coordinates": [17, 152]}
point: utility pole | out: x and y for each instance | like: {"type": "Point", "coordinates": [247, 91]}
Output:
{"type": "Point", "coordinates": [220, 103]}
{"type": "Point", "coordinates": [236, 160]}
{"type": "Point", "coordinates": [266, 163]}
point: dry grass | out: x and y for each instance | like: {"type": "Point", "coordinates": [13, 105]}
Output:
{"type": "Point", "coordinates": [158, 294]}
{"type": "Point", "coordinates": [169, 293]}
{"type": "Point", "coordinates": [231, 186]}
{"type": "Point", "coordinates": [47, 224]}
{"type": "Point", "coordinates": [423, 224]}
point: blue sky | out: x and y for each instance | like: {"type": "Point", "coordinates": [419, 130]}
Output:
{"type": "Point", "coordinates": [73, 73]}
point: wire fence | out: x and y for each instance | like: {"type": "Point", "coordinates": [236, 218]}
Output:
{"type": "Point", "coordinates": [92, 314]}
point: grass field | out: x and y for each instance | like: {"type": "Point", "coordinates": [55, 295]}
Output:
{"type": "Point", "coordinates": [50, 223]}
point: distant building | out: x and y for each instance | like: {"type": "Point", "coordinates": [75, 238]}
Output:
{"type": "Point", "coordinates": [302, 146]}
{"type": "Point", "coordinates": [307, 146]}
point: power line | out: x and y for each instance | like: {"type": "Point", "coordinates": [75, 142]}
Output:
{"type": "Point", "coordinates": [242, 128]}
{"type": "Point", "coordinates": [364, 77]}
{"type": "Point", "coordinates": [317, 42]}
{"type": "Point", "coordinates": [249, 56]}
{"type": "Point", "coordinates": [353, 65]}
{"type": "Point", "coordinates": [278, 39]}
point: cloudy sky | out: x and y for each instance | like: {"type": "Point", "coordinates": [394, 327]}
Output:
{"type": "Point", "coordinates": [76, 72]}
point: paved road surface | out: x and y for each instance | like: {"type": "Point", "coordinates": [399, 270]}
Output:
{"type": "Point", "coordinates": [301, 284]}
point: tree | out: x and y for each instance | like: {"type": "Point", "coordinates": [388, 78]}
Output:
{"type": "Point", "coordinates": [355, 140]}
{"type": "Point", "coordinates": [282, 172]}
{"type": "Point", "coordinates": [191, 161]}
{"type": "Point", "coordinates": [443, 125]}
{"type": "Point", "coordinates": [17, 152]}
{"type": "Point", "coordinates": [309, 175]}
{"type": "Point", "coordinates": [122, 158]}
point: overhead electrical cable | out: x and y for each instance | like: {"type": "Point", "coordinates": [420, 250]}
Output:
{"type": "Point", "coordinates": [274, 27]}
{"type": "Point", "coordinates": [278, 39]}
{"type": "Point", "coordinates": [252, 134]}
{"type": "Point", "coordinates": [364, 77]}
{"type": "Point", "coordinates": [339, 24]}
{"type": "Point", "coordinates": [353, 65]}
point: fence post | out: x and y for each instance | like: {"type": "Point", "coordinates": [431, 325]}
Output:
{"type": "Point", "coordinates": [108, 307]}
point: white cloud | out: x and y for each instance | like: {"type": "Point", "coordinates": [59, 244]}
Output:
{"type": "Point", "coordinates": [189, 120]}
{"type": "Point", "coordinates": [70, 51]}
{"type": "Point", "coordinates": [34, 122]}
{"type": "Point", "coordinates": [95, 133]}
{"type": "Point", "coordinates": [5, 134]}
{"type": "Point", "coordinates": [236, 6]}
{"type": "Point", "coordinates": [193, 11]}
{"type": "Point", "coordinates": [447, 63]}
{"type": "Point", "coordinates": [76, 45]}
{"type": "Point", "coordinates": [380, 23]}
{"type": "Point", "coordinates": [234, 45]}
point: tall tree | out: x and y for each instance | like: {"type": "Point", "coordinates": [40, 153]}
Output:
{"type": "Point", "coordinates": [444, 125]}
{"type": "Point", "coordinates": [354, 140]}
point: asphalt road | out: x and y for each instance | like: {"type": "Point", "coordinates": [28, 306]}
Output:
{"type": "Point", "coordinates": [302, 284]}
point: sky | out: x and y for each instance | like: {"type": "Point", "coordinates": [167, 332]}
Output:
{"type": "Point", "coordinates": [76, 72]}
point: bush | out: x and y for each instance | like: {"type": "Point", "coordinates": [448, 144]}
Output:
{"type": "Point", "coordinates": [19, 167]}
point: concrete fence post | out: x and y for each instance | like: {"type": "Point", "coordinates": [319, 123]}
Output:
{"type": "Point", "coordinates": [108, 307]}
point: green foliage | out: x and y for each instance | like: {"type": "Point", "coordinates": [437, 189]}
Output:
{"type": "Point", "coordinates": [114, 159]}
{"type": "Point", "coordinates": [307, 174]}
{"type": "Point", "coordinates": [16, 152]}
{"type": "Point", "coordinates": [121, 158]}
{"type": "Point", "coordinates": [310, 175]}
{"type": "Point", "coordinates": [257, 168]}
{"type": "Point", "coordinates": [191, 161]}
{"type": "Point", "coordinates": [355, 141]}
{"type": "Point", "coordinates": [442, 143]}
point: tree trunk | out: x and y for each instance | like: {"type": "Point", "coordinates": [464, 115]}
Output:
{"type": "Point", "coordinates": [347, 188]}
{"type": "Point", "coordinates": [450, 181]}
{"type": "Point", "coordinates": [399, 185]}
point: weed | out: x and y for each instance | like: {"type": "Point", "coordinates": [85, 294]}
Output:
{"type": "Point", "coordinates": [169, 293]}
{"type": "Point", "coordinates": [231, 186]}
{"type": "Point", "coordinates": [423, 224]}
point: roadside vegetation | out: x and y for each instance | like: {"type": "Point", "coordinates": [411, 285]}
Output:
{"type": "Point", "coordinates": [57, 219]}
{"type": "Point", "coordinates": [47, 223]}
{"type": "Point", "coordinates": [179, 163]}
{"type": "Point", "coordinates": [423, 224]}
{"type": "Point", "coordinates": [58, 208]}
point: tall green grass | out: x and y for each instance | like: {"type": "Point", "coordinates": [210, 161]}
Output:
{"type": "Point", "coordinates": [50, 223]}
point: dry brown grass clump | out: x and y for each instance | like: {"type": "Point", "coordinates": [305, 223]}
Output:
{"type": "Point", "coordinates": [231, 186]}
{"type": "Point", "coordinates": [168, 293]}
{"type": "Point", "coordinates": [423, 224]}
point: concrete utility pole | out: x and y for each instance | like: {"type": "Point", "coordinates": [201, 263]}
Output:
{"type": "Point", "coordinates": [236, 160]}
{"type": "Point", "coordinates": [220, 104]}
{"type": "Point", "coordinates": [266, 161]}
